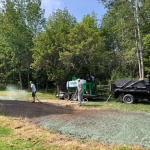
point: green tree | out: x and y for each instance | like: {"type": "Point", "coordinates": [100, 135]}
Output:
{"type": "Point", "coordinates": [122, 22]}
{"type": "Point", "coordinates": [34, 18]}
{"type": "Point", "coordinates": [146, 42]}
{"type": "Point", "coordinates": [83, 48]}
{"type": "Point", "coordinates": [145, 32]}
{"type": "Point", "coordinates": [18, 32]}
{"type": "Point", "coordinates": [49, 44]}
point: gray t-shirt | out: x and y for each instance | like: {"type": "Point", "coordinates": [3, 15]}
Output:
{"type": "Point", "coordinates": [79, 88]}
{"type": "Point", "coordinates": [33, 87]}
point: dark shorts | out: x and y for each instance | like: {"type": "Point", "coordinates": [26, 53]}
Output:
{"type": "Point", "coordinates": [33, 94]}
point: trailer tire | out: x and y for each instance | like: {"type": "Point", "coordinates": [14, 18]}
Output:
{"type": "Point", "coordinates": [85, 99]}
{"type": "Point", "coordinates": [69, 96]}
{"type": "Point", "coordinates": [129, 99]}
{"type": "Point", "coordinates": [65, 96]}
{"type": "Point", "coordinates": [74, 97]}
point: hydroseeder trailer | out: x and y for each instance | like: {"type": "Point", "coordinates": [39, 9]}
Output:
{"type": "Point", "coordinates": [89, 90]}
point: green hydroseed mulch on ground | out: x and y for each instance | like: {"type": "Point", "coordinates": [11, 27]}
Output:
{"type": "Point", "coordinates": [111, 126]}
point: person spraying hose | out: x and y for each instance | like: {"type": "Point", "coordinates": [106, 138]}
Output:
{"type": "Point", "coordinates": [80, 92]}
{"type": "Point", "coordinates": [33, 89]}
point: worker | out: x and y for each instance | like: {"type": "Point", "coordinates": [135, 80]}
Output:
{"type": "Point", "coordinates": [80, 92]}
{"type": "Point", "coordinates": [93, 79]}
{"type": "Point", "coordinates": [33, 89]}
{"type": "Point", "coordinates": [88, 78]}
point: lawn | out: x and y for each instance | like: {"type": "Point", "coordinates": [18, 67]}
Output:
{"type": "Point", "coordinates": [141, 106]}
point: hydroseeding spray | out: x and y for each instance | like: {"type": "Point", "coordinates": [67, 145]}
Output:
{"type": "Point", "coordinates": [12, 93]}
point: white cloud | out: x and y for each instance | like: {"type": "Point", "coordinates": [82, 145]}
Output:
{"type": "Point", "coordinates": [50, 5]}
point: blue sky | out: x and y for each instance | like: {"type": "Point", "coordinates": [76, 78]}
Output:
{"type": "Point", "coordinates": [77, 8]}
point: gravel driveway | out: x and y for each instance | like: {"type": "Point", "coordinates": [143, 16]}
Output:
{"type": "Point", "coordinates": [107, 125]}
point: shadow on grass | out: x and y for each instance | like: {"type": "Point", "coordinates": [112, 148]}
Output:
{"type": "Point", "coordinates": [144, 102]}
{"type": "Point", "coordinates": [14, 108]}
{"type": "Point", "coordinates": [102, 98]}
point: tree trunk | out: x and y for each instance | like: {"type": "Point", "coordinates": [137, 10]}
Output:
{"type": "Point", "coordinates": [139, 43]}
{"type": "Point", "coordinates": [20, 79]}
{"type": "Point", "coordinates": [138, 53]}
{"type": "Point", "coordinates": [28, 78]}
{"type": "Point", "coordinates": [46, 90]}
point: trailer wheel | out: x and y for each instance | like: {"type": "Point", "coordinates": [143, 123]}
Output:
{"type": "Point", "coordinates": [69, 96]}
{"type": "Point", "coordinates": [85, 99]}
{"type": "Point", "coordinates": [65, 96]}
{"type": "Point", "coordinates": [129, 99]}
{"type": "Point", "coordinates": [74, 97]}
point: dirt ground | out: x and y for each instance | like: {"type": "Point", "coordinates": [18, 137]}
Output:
{"type": "Point", "coordinates": [75, 122]}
